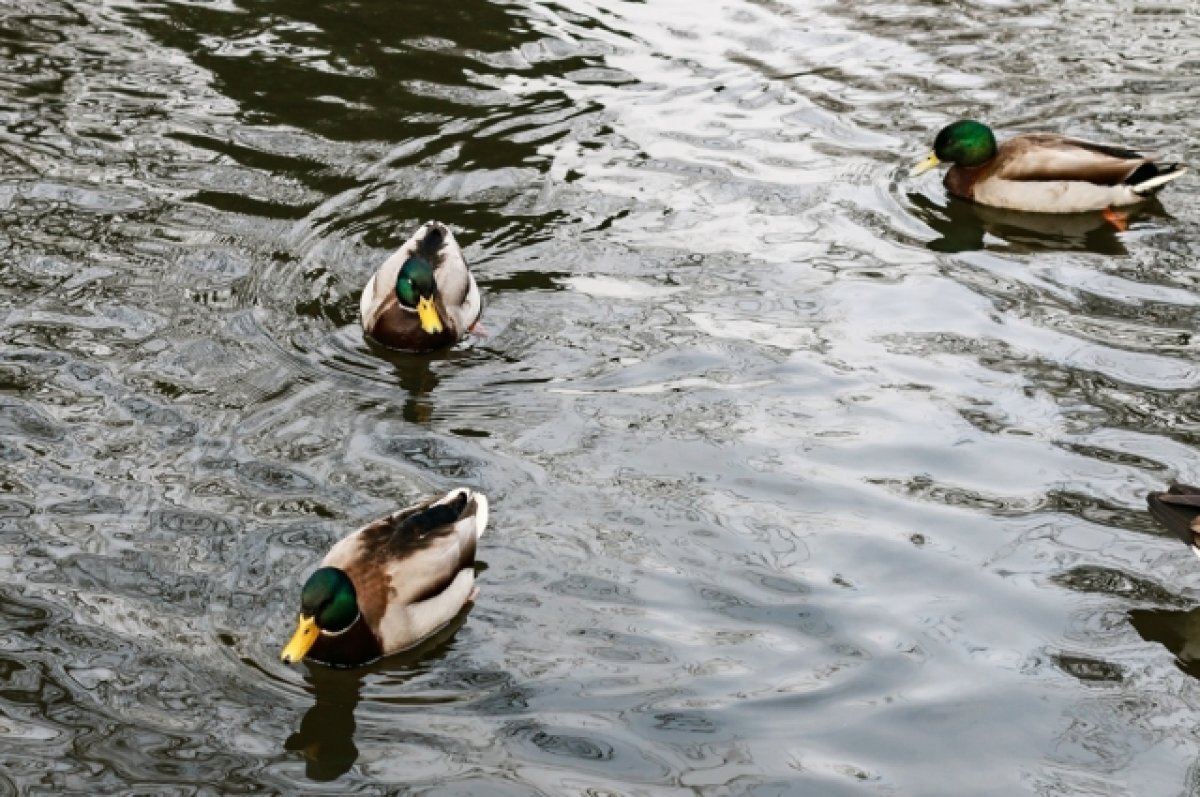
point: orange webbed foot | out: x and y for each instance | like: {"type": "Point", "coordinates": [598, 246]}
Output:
{"type": "Point", "coordinates": [1119, 220]}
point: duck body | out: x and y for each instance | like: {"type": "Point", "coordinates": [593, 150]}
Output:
{"type": "Point", "coordinates": [1178, 509]}
{"type": "Point", "coordinates": [392, 583]}
{"type": "Point", "coordinates": [432, 313]}
{"type": "Point", "coordinates": [1044, 172]}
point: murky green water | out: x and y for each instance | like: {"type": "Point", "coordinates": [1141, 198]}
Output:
{"type": "Point", "coordinates": [804, 481]}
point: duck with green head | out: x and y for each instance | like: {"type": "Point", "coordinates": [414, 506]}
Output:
{"type": "Point", "coordinates": [391, 584]}
{"type": "Point", "coordinates": [1043, 172]}
{"type": "Point", "coordinates": [423, 297]}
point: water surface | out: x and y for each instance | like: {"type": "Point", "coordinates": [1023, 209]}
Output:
{"type": "Point", "coordinates": [805, 478]}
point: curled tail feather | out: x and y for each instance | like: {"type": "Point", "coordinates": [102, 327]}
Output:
{"type": "Point", "coordinates": [1150, 177]}
{"type": "Point", "coordinates": [481, 514]}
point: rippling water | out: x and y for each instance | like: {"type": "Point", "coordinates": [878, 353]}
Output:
{"type": "Point", "coordinates": [805, 479]}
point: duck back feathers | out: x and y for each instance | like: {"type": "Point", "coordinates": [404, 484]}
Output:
{"type": "Point", "coordinates": [1040, 157]}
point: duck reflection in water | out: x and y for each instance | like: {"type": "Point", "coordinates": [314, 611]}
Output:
{"type": "Point", "coordinates": [965, 226]}
{"type": "Point", "coordinates": [326, 734]}
{"type": "Point", "coordinates": [416, 379]}
{"type": "Point", "coordinates": [416, 374]}
{"type": "Point", "coordinates": [1176, 630]}
{"type": "Point", "coordinates": [327, 730]}
{"type": "Point", "coordinates": [1177, 510]}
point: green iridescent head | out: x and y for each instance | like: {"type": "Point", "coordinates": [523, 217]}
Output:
{"type": "Point", "coordinates": [962, 143]}
{"type": "Point", "coordinates": [330, 599]}
{"type": "Point", "coordinates": [965, 143]}
{"type": "Point", "coordinates": [415, 281]}
{"type": "Point", "coordinates": [416, 289]}
{"type": "Point", "coordinates": [328, 603]}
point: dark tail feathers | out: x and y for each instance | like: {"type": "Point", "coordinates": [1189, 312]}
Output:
{"type": "Point", "coordinates": [435, 236]}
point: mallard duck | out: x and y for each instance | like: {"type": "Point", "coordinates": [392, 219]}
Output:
{"type": "Point", "coordinates": [423, 297]}
{"type": "Point", "coordinates": [1179, 510]}
{"type": "Point", "coordinates": [392, 583]}
{"type": "Point", "coordinates": [1043, 172]}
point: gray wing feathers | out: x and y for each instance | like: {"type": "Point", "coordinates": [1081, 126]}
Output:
{"type": "Point", "coordinates": [1049, 157]}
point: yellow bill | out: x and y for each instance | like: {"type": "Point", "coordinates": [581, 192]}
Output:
{"type": "Point", "coordinates": [302, 641]}
{"type": "Point", "coordinates": [931, 161]}
{"type": "Point", "coordinates": [431, 322]}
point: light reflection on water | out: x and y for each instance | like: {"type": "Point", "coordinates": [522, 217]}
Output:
{"type": "Point", "coordinates": [806, 478]}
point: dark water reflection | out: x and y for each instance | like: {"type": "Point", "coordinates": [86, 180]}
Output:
{"type": "Point", "coordinates": [965, 227]}
{"type": "Point", "coordinates": [807, 479]}
{"type": "Point", "coordinates": [325, 737]}
{"type": "Point", "coordinates": [1177, 631]}
{"type": "Point", "coordinates": [365, 72]}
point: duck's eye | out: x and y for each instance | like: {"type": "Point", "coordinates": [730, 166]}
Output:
{"type": "Point", "coordinates": [406, 292]}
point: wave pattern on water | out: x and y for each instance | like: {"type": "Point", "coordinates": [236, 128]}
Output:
{"type": "Point", "coordinates": [805, 477]}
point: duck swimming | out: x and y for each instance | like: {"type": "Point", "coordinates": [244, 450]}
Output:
{"type": "Point", "coordinates": [1043, 172]}
{"type": "Point", "coordinates": [423, 297]}
{"type": "Point", "coordinates": [392, 583]}
{"type": "Point", "coordinates": [1179, 510]}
